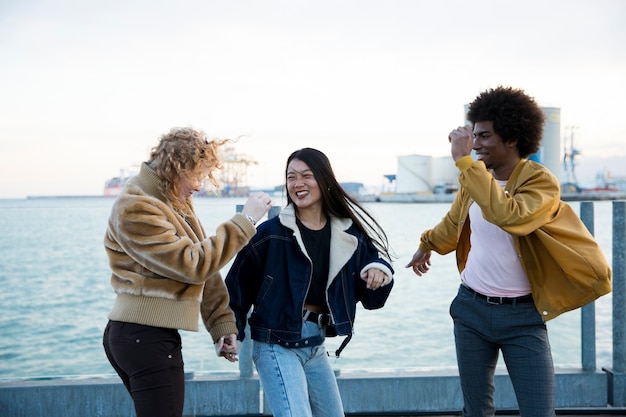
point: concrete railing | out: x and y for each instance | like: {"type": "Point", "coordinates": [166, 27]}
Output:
{"type": "Point", "coordinates": [410, 393]}
{"type": "Point", "coordinates": [229, 395]}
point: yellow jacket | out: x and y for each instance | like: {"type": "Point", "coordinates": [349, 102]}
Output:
{"type": "Point", "coordinates": [165, 270]}
{"type": "Point", "coordinates": [564, 265]}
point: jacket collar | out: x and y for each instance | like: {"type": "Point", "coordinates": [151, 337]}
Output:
{"type": "Point", "coordinates": [515, 173]}
{"type": "Point", "coordinates": [342, 243]}
{"type": "Point", "coordinates": [148, 181]}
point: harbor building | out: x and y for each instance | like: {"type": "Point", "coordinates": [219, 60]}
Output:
{"type": "Point", "coordinates": [422, 174]}
{"type": "Point", "coordinates": [550, 151]}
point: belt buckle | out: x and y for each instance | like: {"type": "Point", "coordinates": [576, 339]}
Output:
{"type": "Point", "coordinates": [494, 300]}
{"type": "Point", "coordinates": [320, 317]}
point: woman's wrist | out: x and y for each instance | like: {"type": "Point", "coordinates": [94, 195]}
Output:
{"type": "Point", "coordinates": [250, 218]}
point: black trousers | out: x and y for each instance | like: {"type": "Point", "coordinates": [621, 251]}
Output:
{"type": "Point", "coordinates": [149, 360]}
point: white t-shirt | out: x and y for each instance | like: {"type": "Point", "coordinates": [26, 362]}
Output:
{"type": "Point", "coordinates": [493, 267]}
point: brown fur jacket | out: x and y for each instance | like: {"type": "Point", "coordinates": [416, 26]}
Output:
{"type": "Point", "coordinates": [165, 270]}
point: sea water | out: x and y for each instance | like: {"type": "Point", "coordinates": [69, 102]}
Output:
{"type": "Point", "coordinates": [55, 295]}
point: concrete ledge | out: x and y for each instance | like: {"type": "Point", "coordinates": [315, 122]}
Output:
{"type": "Point", "coordinates": [229, 395]}
{"type": "Point", "coordinates": [222, 396]}
{"type": "Point", "coordinates": [581, 389]}
{"type": "Point", "coordinates": [104, 397]}
{"type": "Point", "coordinates": [400, 393]}
{"type": "Point", "coordinates": [438, 392]}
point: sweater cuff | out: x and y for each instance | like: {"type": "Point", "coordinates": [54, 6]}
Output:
{"type": "Point", "coordinates": [245, 224]}
{"type": "Point", "coordinates": [223, 329]}
{"type": "Point", "coordinates": [380, 266]}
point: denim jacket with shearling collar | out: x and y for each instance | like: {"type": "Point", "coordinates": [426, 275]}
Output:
{"type": "Point", "coordinates": [273, 274]}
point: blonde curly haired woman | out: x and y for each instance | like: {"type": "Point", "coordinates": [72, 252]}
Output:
{"type": "Point", "coordinates": [165, 270]}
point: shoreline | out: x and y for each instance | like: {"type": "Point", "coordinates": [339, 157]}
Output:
{"type": "Point", "coordinates": [448, 198]}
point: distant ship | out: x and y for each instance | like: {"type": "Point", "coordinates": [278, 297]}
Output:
{"type": "Point", "coordinates": [113, 186]}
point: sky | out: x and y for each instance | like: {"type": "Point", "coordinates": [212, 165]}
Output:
{"type": "Point", "coordinates": [87, 87]}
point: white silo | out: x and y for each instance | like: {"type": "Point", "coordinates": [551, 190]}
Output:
{"type": "Point", "coordinates": [550, 150]}
{"type": "Point", "coordinates": [413, 174]}
{"type": "Point", "coordinates": [444, 171]}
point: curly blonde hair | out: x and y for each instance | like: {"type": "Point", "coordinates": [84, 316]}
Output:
{"type": "Point", "coordinates": [184, 151]}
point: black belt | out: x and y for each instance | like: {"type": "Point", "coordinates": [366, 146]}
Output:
{"type": "Point", "coordinates": [528, 298]}
{"type": "Point", "coordinates": [321, 319]}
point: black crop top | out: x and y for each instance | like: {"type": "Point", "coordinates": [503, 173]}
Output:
{"type": "Point", "coordinates": [317, 244]}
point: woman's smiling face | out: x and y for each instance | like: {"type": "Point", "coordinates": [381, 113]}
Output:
{"type": "Point", "coordinates": [302, 185]}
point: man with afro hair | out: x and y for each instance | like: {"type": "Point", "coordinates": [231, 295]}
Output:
{"type": "Point", "coordinates": [507, 226]}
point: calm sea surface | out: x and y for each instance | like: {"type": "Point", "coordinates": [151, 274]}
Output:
{"type": "Point", "coordinates": [56, 295]}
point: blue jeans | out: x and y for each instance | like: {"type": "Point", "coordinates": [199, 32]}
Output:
{"type": "Point", "coordinates": [481, 330]}
{"type": "Point", "coordinates": [298, 381]}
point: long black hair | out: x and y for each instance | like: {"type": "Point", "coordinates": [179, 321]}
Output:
{"type": "Point", "coordinates": [336, 201]}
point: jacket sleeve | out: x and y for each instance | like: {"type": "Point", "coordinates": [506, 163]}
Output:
{"type": "Point", "coordinates": [150, 233]}
{"type": "Point", "coordinates": [531, 202]}
{"type": "Point", "coordinates": [216, 314]}
{"type": "Point", "coordinates": [444, 236]}
{"type": "Point", "coordinates": [242, 282]}
{"type": "Point", "coordinates": [372, 299]}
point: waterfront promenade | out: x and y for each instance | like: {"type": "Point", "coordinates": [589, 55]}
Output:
{"type": "Point", "coordinates": [581, 390]}
{"type": "Point", "coordinates": [421, 394]}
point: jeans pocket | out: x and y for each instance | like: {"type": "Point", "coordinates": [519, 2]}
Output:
{"type": "Point", "coordinates": [158, 340]}
{"type": "Point", "coordinates": [256, 351]}
{"type": "Point", "coordinates": [453, 307]}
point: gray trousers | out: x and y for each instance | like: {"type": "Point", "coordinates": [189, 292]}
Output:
{"type": "Point", "coordinates": [482, 329]}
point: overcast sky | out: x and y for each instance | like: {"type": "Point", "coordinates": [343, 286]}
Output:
{"type": "Point", "coordinates": [87, 87]}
